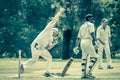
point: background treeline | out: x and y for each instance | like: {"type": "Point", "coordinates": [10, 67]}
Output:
{"type": "Point", "coordinates": [22, 20]}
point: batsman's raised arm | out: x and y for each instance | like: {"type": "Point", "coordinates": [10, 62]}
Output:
{"type": "Point", "coordinates": [55, 19]}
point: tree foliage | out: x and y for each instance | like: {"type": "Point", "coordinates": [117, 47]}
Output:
{"type": "Point", "coordinates": [115, 26]}
{"type": "Point", "coordinates": [22, 20]}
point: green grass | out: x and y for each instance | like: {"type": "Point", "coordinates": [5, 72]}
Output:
{"type": "Point", "coordinates": [9, 70]}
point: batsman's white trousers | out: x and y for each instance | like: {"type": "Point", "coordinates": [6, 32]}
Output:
{"type": "Point", "coordinates": [107, 52]}
{"type": "Point", "coordinates": [88, 49]}
{"type": "Point", "coordinates": [35, 56]}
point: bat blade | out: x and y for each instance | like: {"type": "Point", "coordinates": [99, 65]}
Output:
{"type": "Point", "coordinates": [67, 67]}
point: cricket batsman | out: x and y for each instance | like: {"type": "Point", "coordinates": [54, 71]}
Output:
{"type": "Point", "coordinates": [42, 43]}
{"type": "Point", "coordinates": [86, 37]}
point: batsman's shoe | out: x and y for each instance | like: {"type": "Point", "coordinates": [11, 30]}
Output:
{"type": "Point", "coordinates": [21, 69]}
{"type": "Point", "coordinates": [109, 67]}
{"type": "Point", "coordinates": [84, 77]}
{"type": "Point", "coordinates": [90, 76]}
{"type": "Point", "coordinates": [46, 74]}
{"type": "Point", "coordinates": [87, 77]}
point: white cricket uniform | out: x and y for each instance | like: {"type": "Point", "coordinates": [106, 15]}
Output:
{"type": "Point", "coordinates": [86, 40]}
{"type": "Point", "coordinates": [104, 36]}
{"type": "Point", "coordinates": [43, 40]}
{"type": "Point", "coordinates": [87, 47]}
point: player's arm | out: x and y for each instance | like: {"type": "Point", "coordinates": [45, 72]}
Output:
{"type": "Point", "coordinates": [55, 19]}
{"type": "Point", "coordinates": [77, 42]}
{"type": "Point", "coordinates": [75, 49]}
{"type": "Point", "coordinates": [51, 45]}
{"type": "Point", "coordinates": [109, 40]}
{"type": "Point", "coordinates": [100, 41]}
{"type": "Point", "coordinates": [93, 36]}
{"type": "Point", "coordinates": [98, 37]}
{"type": "Point", "coordinates": [109, 37]}
{"type": "Point", "coordinates": [92, 32]}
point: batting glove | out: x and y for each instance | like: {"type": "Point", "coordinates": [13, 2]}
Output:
{"type": "Point", "coordinates": [75, 50]}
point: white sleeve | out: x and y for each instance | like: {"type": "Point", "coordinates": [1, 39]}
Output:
{"type": "Point", "coordinates": [91, 28]}
{"type": "Point", "coordinates": [98, 33]}
{"type": "Point", "coordinates": [109, 32]}
{"type": "Point", "coordinates": [50, 25]}
{"type": "Point", "coordinates": [79, 34]}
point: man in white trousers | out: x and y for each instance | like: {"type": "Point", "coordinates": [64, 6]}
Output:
{"type": "Point", "coordinates": [85, 37]}
{"type": "Point", "coordinates": [42, 43]}
{"type": "Point", "coordinates": [103, 40]}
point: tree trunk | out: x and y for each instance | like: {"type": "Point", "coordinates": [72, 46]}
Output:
{"type": "Point", "coordinates": [66, 44]}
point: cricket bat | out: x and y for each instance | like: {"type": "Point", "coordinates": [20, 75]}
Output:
{"type": "Point", "coordinates": [67, 66]}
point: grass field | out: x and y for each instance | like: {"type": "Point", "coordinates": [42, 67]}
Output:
{"type": "Point", "coordinates": [9, 70]}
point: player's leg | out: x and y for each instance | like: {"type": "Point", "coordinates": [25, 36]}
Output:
{"type": "Point", "coordinates": [84, 57]}
{"type": "Point", "coordinates": [35, 55]}
{"type": "Point", "coordinates": [46, 55]}
{"type": "Point", "coordinates": [100, 52]}
{"type": "Point", "coordinates": [92, 64]}
{"type": "Point", "coordinates": [84, 64]}
{"type": "Point", "coordinates": [93, 60]}
{"type": "Point", "coordinates": [108, 56]}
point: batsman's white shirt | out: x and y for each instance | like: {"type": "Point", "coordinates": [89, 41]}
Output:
{"type": "Point", "coordinates": [86, 40]}
{"type": "Point", "coordinates": [85, 30]}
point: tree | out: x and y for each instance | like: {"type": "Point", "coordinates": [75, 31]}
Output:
{"type": "Point", "coordinates": [115, 27]}
{"type": "Point", "coordinates": [8, 26]}
{"type": "Point", "coordinates": [22, 20]}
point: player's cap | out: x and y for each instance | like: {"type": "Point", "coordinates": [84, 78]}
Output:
{"type": "Point", "coordinates": [55, 32]}
{"type": "Point", "coordinates": [89, 17]}
{"type": "Point", "coordinates": [55, 29]}
{"type": "Point", "coordinates": [104, 20]}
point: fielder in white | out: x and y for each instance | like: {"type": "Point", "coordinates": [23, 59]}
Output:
{"type": "Point", "coordinates": [85, 37]}
{"type": "Point", "coordinates": [103, 36]}
{"type": "Point", "coordinates": [42, 43]}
